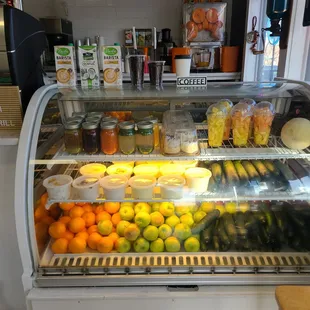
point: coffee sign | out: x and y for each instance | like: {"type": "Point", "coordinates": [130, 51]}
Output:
{"type": "Point", "coordinates": [10, 109]}
{"type": "Point", "coordinates": [191, 81]}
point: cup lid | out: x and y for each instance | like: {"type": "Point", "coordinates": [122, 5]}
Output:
{"type": "Point", "coordinates": [183, 57]}
{"type": "Point", "coordinates": [242, 108]}
{"type": "Point", "coordinates": [264, 107]}
{"type": "Point", "coordinates": [218, 109]}
{"type": "Point", "coordinates": [145, 125]}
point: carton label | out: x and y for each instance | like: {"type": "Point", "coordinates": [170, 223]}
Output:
{"type": "Point", "coordinates": [112, 65]}
{"type": "Point", "coordinates": [88, 60]}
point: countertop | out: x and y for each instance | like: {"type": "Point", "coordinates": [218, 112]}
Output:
{"type": "Point", "coordinates": [9, 137]}
{"type": "Point", "coordinates": [293, 297]}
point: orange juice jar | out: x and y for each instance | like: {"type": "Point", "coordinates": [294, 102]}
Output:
{"type": "Point", "coordinates": [109, 138]}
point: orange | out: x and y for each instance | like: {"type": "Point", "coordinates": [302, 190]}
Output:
{"type": "Point", "coordinates": [99, 209]}
{"type": "Point", "coordinates": [77, 245]}
{"type": "Point", "coordinates": [68, 235]}
{"type": "Point", "coordinates": [103, 216]}
{"type": "Point", "coordinates": [60, 246]}
{"type": "Point", "coordinates": [57, 229]}
{"type": "Point", "coordinates": [111, 207]}
{"type": "Point", "coordinates": [43, 199]}
{"type": "Point", "coordinates": [47, 220]}
{"type": "Point", "coordinates": [76, 225]}
{"type": "Point", "coordinates": [40, 213]}
{"type": "Point", "coordinates": [116, 218]}
{"type": "Point", "coordinates": [76, 212]}
{"type": "Point", "coordinates": [93, 240]}
{"type": "Point", "coordinates": [84, 229]}
{"type": "Point", "coordinates": [105, 245]}
{"type": "Point", "coordinates": [81, 204]}
{"type": "Point", "coordinates": [113, 229]}
{"type": "Point", "coordinates": [83, 235]}
{"type": "Point", "coordinates": [66, 206]}
{"type": "Point", "coordinates": [88, 208]}
{"type": "Point", "coordinates": [114, 236]}
{"type": "Point", "coordinates": [89, 218]}
{"type": "Point", "coordinates": [41, 230]}
{"type": "Point", "coordinates": [66, 213]}
{"type": "Point", "coordinates": [92, 229]}
{"type": "Point", "coordinates": [65, 219]}
{"type": "Point", "coordinates": [55, 211]}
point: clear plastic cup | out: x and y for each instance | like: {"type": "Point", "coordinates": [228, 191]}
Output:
{"type": "Point", "coordinates": [114, 186]}
{"type": "Point", "coordinates": [250, 102]}
{"type": "Point", "coordinates": [58, 186]}
{"type": "Point", "coordinates": [136, 64]}
{"type": "Point", "coordinates": [142, 186]}
{"type": "Point", "coordinates": [198, 179]}
{"type": "Point", "coordinates": [241, 116]}
{"type": "Point", "coordinates": [263, 118]}
{"type": "Point", "coordinates": [216, 116]}
{"type": "Point", "coordinates": [96, 170]}
{"type": "Point", "coordinates": [227, 104]}
{"type": "Point", "coordinates": [156, 70]}
{"type": "Point", "coordinates": [87, 187]}
{"type": "Point", "coordinates": [171, 186]}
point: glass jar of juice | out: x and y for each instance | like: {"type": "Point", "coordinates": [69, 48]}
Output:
{"type": "Point", "coordinates": [241, 116]}
{"type": "Point", "coordinates": [127, 138]}
{"type": "Point", "coordinates": [154, 121]}
{"type": "Point", "coordinates": [227, 104]}
{"type": "Point", "coordinates": [108, 138]}
{"type": "Point", "coordinates": [263, 118]}
{"type": "Point", "coordinates": [73, 137]}
{"type": "Point", "coordinates": [145, 137]}
{"type": "Point", "coordinates": [216, 116]}
{"type": "Point", "coordinates": [90, 137]}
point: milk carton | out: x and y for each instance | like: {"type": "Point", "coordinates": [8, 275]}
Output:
{"type": "Point", "coordinates": [112, 65]}
{"type": "Point", "coordinates": [89, 69]}
{"type": "Point", "coordinates": [65, 65]}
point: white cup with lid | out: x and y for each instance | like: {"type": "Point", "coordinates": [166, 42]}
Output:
{"type": "Point", "coordinates": [183, 65]}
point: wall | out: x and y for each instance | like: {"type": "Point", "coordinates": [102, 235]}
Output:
{"type": "Point", "coordinates": [39, 8]}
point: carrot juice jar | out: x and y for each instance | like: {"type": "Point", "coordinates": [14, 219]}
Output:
{"type": "Point", "coordinates": [109, 138]}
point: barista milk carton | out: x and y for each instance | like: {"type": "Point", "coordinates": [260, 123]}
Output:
{"type": "Point", "coordinates": [65, 65]}
{"type": "Point", "coordinates": [112, 65]}
{"type": "Point", "coordinates": [89, 69]}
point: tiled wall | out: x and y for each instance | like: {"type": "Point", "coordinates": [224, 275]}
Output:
{"type": "Point", "coordinates": [39, 8]}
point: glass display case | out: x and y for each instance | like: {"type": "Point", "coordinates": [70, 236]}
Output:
{"type": "Point", "coordinates": [91, 215]}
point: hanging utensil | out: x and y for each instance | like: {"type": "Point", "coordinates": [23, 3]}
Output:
{"type": "Point", "coordinates": [253, 36]}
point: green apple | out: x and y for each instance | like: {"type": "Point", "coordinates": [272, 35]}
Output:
{"type": "Point", "coordinates": [172, 244]}
{"type": "Point", "coordinates": [157, 219]}
{"type": "Point", "coordinates": [182, 209]}
{"type": "Point", "coordinates": [142, 219]}
{"type": "Point", "coordinates": [172, 221]}
{"type": "Point", "coordinates": [192, 245]}
{"type": "Point", "coordinates": [120, 228]}
{"type": "Point", "coordinates": [122, 245]}
{"type": "Point", "coordinates": [142, 207]}
{"type": "Point", "coordinates": [158, 245]}
{"type": "Point", "coordinates": [127, 213]}
{"type": "Point", "coordinates": [141, 245]}
{"type": "Point", "coordinates": [132, 232]}
{"type": "Point", "coordinates": [182, 231]}
{"type": "Point", "coordinates": [164, 231]}
{"type": "Point", "coordinates": [199, 215]}
{"type": "Point", "coordinates": [150, 233]}
{"type": "Point", "coordinates": [166, 209]}
{"type": "Point", "coordinates": [105, 227]}
{"type": "Point", "coordinates": [207, 206]}
{"type": "Point", "coordinates": [155, 206]}
{"type": "Point", "coordinates": [187, 219]}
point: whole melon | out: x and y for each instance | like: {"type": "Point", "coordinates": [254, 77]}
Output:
{"type": "Point", "coordinates": [295, 134]}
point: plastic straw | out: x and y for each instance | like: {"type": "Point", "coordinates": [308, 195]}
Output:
{"type": "Point", "coordinates": [154, 42]}
{"type": "Point", "coordinates": [134, 39]}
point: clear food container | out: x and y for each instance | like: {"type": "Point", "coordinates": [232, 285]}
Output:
{"type": "Point", "coordinates": [198, 179]}
{"type": "Point", "coordinates": [171, 186]}
{"type": "Point", "coordinates": [250, 102]}
{"type": "Point", "coordinates": [87, 187]}
{"type": "Point", "coordinates": [172, 169]}
{"type": "Point", "coordinates": [96, 170]}
{"type": "Point", "coordinates": [142, 186]}
{"type": "Point", "coordinates": [58, 186]}
{"type": "Point", "coordinates": [227, 104]}
{"type": "Point", "coordinates": [216, 116]}
{"type": "Point", "coordinates": [120, 169]}
{"type": "Point", "coordinates": [263, 118]}
{"type": "Point", "coordinates": [147, 169]}
{"type": "Point", "coordinates": [241, 116]}
{"type": "Point", "coordinates": [114, 186]}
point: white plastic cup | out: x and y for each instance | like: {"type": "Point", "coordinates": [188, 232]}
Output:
{"type": "Point", "coordinates": [198, 179]}
{"type": "Point", "coordinates": [171, 186]}
{"type": "Point", "coordinates": [114, 186]}
{"type": "Point", "coordinates": [142, 186]}
{"type": "Point", "coordinates": [58, 186]}
{"type": "Point", "coordinates": [183, 65]}
{"type": "Point", "coordinates": [89, 190]}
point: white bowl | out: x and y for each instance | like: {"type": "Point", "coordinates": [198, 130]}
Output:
{"type": "Point", "coordinates": [198, 179]}
{"type": "Point", "coordinates": [58, 186]}
{"type": "Point", "coordinates": [171, 186]}
{"type": "Point", "coordinates": [87, 187]}
{"type": "Point", "coordinates": [114, 186]}
{"type": "Point", "coordinates": [142, 186]}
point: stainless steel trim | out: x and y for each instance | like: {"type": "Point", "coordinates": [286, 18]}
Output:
{"type": "Point", "coordinates": [4, 64]}
{"type": "Point", "coordinates": [18, 4]}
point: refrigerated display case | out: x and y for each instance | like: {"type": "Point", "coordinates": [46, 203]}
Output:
{"type": "Point", "coordinates": [248, 227]}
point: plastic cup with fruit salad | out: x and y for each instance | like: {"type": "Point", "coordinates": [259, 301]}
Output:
{"type": "Point", "coordinates": [251, 103]}
{"type": "Point", "coordinates": [227, 104]}
{"type": "Point", "coordinates": [241, 116]}
{"type": "Point", "coordinates": [263, 118]}
{"type": "Point", "coordinates": [216, 116]}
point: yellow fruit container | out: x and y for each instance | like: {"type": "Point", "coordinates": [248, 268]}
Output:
{"type": "Point", "coordinates": [147, 169]}
{"type": "Point", "coordinates": [198, 179]}
{"type": "Point", "coordinates": [172, 169]}
{"type": "Point", "coordinates": [120, 169]}
{"type": "Point", "coordinates": [96, 170]}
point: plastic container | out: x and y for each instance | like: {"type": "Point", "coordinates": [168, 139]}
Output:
{"type": "Point", "coordinates": [87, 187]}
{"type": "Point", "coordinates": [126, 163]}
{"type": "Point", "coordinates": [142, 186]}
{"type": "Point", "coordinates": [171, 186]}
{"type": "Point", "coordinates": [58, 186]}
{"type": "Point", "coordinates": [216, 116]}
{"type": "Point", "coordinates": [172, 169]}
{"type": "Point", "coordinates": [241, 116]}
{"type": "Point", "coordinates": [263, 118]}
{"type": "Point", "coordinates": [186, 163]}
{"type": "Point", "coordinates": [120, 169]}
{"type": "Point", "coordinates": [147, 169]}
{"type": "Point", "coordinates": [96, 170]}
{"type": "Point", "coordinates": [227, 104]}
{"type": "Point", "coordinates": [198, 179]}
{"type": "Point", "coordinates": [114, 186]}
{"type": "Point", "coordinates": [251, 103]}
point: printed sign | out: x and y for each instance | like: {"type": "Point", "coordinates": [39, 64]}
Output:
{"type": "Point", "coordinates": [191, 81]}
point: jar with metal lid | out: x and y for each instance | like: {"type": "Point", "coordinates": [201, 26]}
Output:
{"type": "Point", "coordinates": [90, 137]}
{"type": "Point", "coordinates": [83, 114]}
{"type": "Point", "coordinates": [75, 119]}
{"type": "Point", "coordinates": [108, 138]}
{"type": "Point", "coordinates": [154, 121]}
{"type": "Point", "coordinates": [73, 137]}
{"type": "Point", "coordinates": [98, 114]}
{"type": "Point", "coordinates": [145, 137]}
{"type": "Point", "coordinates": [110, 119]}
{"type": "Point", "coordinates": [127, 138]}
{"type": "Point", "coordinates": [93, 119]}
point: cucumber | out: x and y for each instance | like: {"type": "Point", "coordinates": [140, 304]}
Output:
{"type": "Point", "coordinates": [217, 172]}
{"type": "Point", "coordinates": [203, 244]}
{"type": "Point", "coordinates": [212, 186]}
{"type": "Point", "coordinates": [206, 222]}
{"type": "Point", "coordinates": [230, 227]}
{"type": "Point", "coordinates": [222, 233]}
{"type": "Point", "coordinates": [207, 234]}
{"type": "Point", "coordinates": [243, 175]}
{"type": "Point", "coordinates": [240, 224]}
{"type": "Point", "coordinates": [216, 243]}
{"type": "Point", "coordinates": [223, 185]}
{"type": "Point", "coordinates": [260, 216]}
{"type": "Point", "coordinates": [262, 170]}
{"type": "Point", "coordinates": [231, 173]}
{"type": "Point", "coordinates": [272, 168]}
{"type": "Point", "coordinates": [285, 171]}
{"type": "Point", "coordinates": [251, 224]}
{"type": "Point", "coordinates": [251, 171]}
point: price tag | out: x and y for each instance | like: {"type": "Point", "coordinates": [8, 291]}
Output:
{"type": "Point", "coordinates": [191, 81]}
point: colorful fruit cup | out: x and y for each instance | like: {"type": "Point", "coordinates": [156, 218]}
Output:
{"type": "Point", "coordinates": [227, 104]}
{"type": "Point", "coordinates": [241, 116]}
{"type": "Point", "coordinates": [87, 187]}
{"type": "Point", "coordinates": [251, 103]}
{"type": "Point", "coordinates": [142, 186]}
{"type": "Point", "coordinates": [114, 186]}
{"type": "Point", "coordinates": [263, 118]}
{"type": "Point", "coordinates": [216, 116]}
